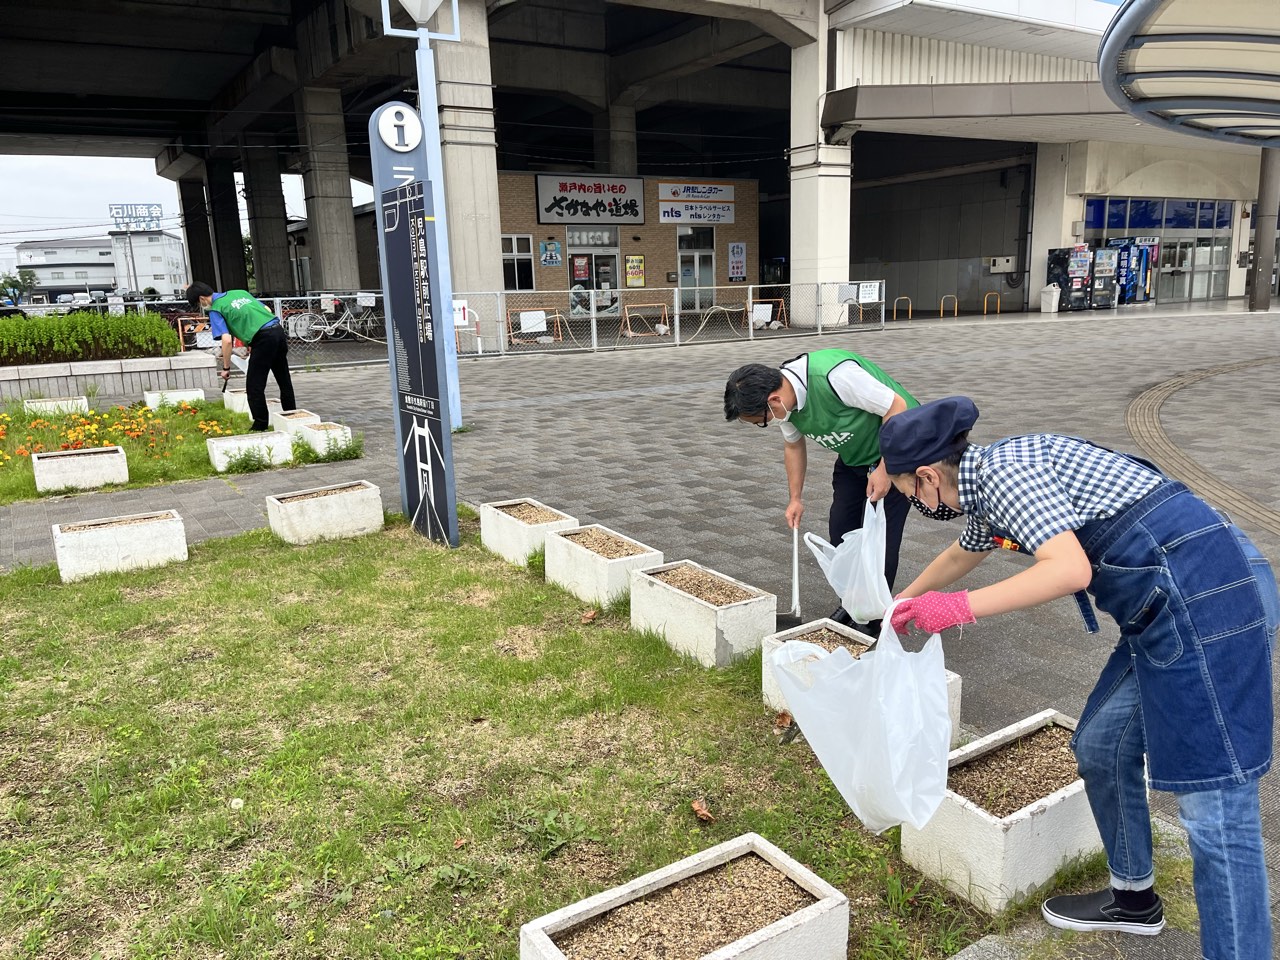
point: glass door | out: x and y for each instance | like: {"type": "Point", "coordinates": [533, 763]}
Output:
{"type": "Point", "coordinates": [697, 280]}
{"type": "Point", "coordinates": [1173, 285]}
{"type": "Point", "coordinates": [604, 270]}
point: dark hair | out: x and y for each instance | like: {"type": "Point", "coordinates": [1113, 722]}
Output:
{"type": "Point", "coordinates": [748, 390]}
{"type": "Point", "coordinates": [961, 444]}
{"type": "Point", "coordinates": [196, 291]}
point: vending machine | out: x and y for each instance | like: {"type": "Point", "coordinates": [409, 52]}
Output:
{"type": "Point", "coordinates": [1125, 277]}
{"type": "Point", "coordinates": [1071, 269]}
{"type": "Point", "coordinates": [1103, 283]}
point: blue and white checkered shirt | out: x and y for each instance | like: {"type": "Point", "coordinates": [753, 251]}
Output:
{"type": "Point", "coordinates": [1037, 486]}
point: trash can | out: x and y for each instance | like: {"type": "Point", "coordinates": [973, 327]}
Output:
{"type": "Point", "coordinates": [1049, 298]}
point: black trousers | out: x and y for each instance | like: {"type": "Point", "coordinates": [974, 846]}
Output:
{"type": "Point", "coordinates": [269, 353]}
{"type": "Point", "coordinates": [849, 499]}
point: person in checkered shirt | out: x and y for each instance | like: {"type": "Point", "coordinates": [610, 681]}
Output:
{"type": "Point", "coordinates": [1185, 700]}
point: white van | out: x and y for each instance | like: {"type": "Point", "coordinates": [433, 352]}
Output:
{"type": "Point", "coordinates": [81, 297]}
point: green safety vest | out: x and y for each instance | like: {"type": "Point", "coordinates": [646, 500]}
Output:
{"type": "Point", "coordinates": [244, 314]}
{"type": "Point", "coordinates": [851, 432]}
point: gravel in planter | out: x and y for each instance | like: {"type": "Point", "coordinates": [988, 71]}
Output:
{"type": "Point", "coordinates": [829, 640]}
{"type": "Point", "coordinates": [313, 494]}
{"type": "Point", "coordinates": [604, 544]}
{"type": "Point", "coordinates": [530, 514]}
{"type": "Point", "coordinates": [1019, 773]}
{"type": "Point", "coordinates": [692, 918]}
{"type": "Point", "coordinates": [703, 585]}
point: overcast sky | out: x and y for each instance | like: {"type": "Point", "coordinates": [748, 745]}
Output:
{"type": "Point", "coordinates": [47, 197]}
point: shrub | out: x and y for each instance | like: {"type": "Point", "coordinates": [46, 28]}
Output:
{"type": "Point", "coordinates": [85, 335]}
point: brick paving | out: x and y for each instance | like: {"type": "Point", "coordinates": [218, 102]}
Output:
{"type": "Point", "coordinates": [636, 440]}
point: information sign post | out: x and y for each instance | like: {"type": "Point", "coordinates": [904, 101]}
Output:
{"type": "Point", "coordinates": [419, 320]}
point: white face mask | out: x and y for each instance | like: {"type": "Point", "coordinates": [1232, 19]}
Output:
{"type": "Point", "coordinates": [779, 419]}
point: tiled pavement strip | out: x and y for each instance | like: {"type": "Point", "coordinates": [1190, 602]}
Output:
{"type": "Point", "coordinates": [636, 440]}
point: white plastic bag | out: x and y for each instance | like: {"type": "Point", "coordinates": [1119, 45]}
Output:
{"type": "Point", "coordinates": [855, 569]}
{"type": "Point", "coordinates": [879, 724]}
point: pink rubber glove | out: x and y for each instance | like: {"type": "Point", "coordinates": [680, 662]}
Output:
{"type": "Point", "coordinates": [933, 611]}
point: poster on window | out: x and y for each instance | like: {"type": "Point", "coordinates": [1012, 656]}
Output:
{"type": "Point", "coordinates": [635, 270]}
{"type": "Point", "coordinates": [549, 253]}
{"type": "Point", "coordinates": [581, 268]}
{"type": "Point", "coordinates": [737, 262]}
{"type": "Point", "coordinates": [575, 198]}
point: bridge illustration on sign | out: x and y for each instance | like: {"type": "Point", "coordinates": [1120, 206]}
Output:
{"type": "Point", "coordinates": [427, 458]}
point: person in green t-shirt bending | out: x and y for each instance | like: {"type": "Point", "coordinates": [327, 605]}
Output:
{"type": "Point", "coordinates": [239, 314]}
{"type": "Point", "coordinates": [839, 400]}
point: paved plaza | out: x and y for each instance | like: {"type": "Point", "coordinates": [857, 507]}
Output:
{"type": "Point", "coordinates": [636, 440]}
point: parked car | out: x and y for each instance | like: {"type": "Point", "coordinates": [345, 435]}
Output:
{"type": "Point", "coordinates": [98, 296]}
{"type": "Point", "coordinates": [11, 312]}
{"type": "Point", "coordinates": [64, 298]}
{"type": "Point", "coordinates": [81, 298]}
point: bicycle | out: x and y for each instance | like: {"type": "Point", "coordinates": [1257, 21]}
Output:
{"type": "Point", "coordinates": [367, 325]}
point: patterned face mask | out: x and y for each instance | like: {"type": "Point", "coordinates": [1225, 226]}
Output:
{"type": "Point", "coordinates": [940, 512]}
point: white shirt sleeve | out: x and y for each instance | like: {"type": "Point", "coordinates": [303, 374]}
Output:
{"type": "Point", "coordinates": [790, 433]}
{"type": "Point", "coordinates": [857, 388]}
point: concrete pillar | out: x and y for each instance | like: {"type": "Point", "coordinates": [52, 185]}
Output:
{"type": "Point", "coordinates": [1264, 230]}
{"type": "Point", "coordinates": [820, 177]}
{"type": "Point", "coordinates": [224, 208]}
{"type": "Point", "coordinates": [196, 233]}
{"type": "Point", "coordinates": [326, 186]}
{"type": "Point", "coordinates": [464, 85]}
{"type": "Point", "coordinates": [615, 140]}
{"type": "Point", "coordinates": [1053, 212]}
{"type": "Point", "coordinates": [264, 199]}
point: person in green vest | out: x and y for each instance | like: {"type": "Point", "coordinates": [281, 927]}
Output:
{"type": "Point", "coordinates": [240, 315]}
{"type": "Point", "coordinates": [839, 400]}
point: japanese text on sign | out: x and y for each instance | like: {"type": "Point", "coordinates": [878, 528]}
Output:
{"type": "Point", "coordinates": [670, 211]}
{"type": "Point", "coordinates": [722, 192]}
{"type": "Point", "coordinates": [142, 216]}
{"type": "Point", "coordinates": [590, 200]}
{"type": "Point", "coordinates": [737, 262]}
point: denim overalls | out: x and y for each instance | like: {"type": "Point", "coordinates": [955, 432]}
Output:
{"type": "Point", "coordinates": [1188, 691]}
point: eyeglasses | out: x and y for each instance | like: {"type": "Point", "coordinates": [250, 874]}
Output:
{"type": "Point", "coordinates": [764, 419]}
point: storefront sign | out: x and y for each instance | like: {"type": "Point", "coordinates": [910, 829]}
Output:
{"type": "Point", "coordinates": [681, 211]}
{"type": "Point", "coordinates": [635, 270]}
{"type": "Point", "coordinates": [549, 254]}
{"type": "Point", "coordinates": [571, 198]}
{"type": "Point", "coordinates": [737, 262]}
{"type": "Point", "coordinates": [604, 237]}
{"type": "Point", "coordinates": [718, 192]}
{"type": "Point", "coordinates": [581, 268]}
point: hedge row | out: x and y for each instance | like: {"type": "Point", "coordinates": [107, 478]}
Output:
{"type": "Point", "coordinates": [85, 335]}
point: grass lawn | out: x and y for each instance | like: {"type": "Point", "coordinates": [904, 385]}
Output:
{"type": "Point", "coordinates": [161, 445]}
{"type": "Point", "coordinates": [378, 748]}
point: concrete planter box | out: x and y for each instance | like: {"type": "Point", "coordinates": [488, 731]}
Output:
{"type": "Point", "coordinates": [512, 539]}
{"type": "Point", "coordinates": [237, 401]}
{"type": "Point", "coordinates": [57, 405]}
{"type": "Point", "coordinates": [276, 448]}
{"type": "Point", "coordinates": [79, 469]}
{"type": "Point", "coordinates": [819, 931]}
{"type": "Point", "coordinates": [588, 575]}
{"type": "Point", "coordinates": [89, 547]}
{"type": "Point", "coordinates": [157, 398]}
{"type": "Point", "coordinates": [714, 636]}
{"type": "Point", "coordinates": [773, 693]}
{"type": "Point", "coordinates": [326, 513]}
{"type": "Point", "coordinates": [991, 861]}
{"type": "Point", "coordinates": [321, 436]}
{"type": "Point", "coordinates": [290, 421]}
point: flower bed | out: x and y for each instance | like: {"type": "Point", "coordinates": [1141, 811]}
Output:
{"type": "Point", "coordinates": [1039, 818]}
{"type": "Point", "coordinates": [712, 618]}
{"type": "Point", "coordinates": [85, 335]}
{"type": "Point", "coordinates": [594, 563]}
{"type": "Point", "coordinates": [743, 898]}
{"type": "Point", "coordinates": [161, 445]}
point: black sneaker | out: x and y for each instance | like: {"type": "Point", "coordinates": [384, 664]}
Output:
{"type": "Point", "coordinates": [1099, 911]}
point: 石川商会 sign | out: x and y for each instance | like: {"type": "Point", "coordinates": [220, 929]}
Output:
{"type": "Point", "coordinates": [574, 198]}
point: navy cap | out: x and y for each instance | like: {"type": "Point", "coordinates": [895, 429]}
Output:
{"type": "Point", "coordinates": [926, 434]}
